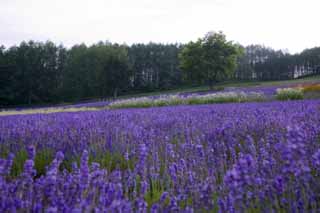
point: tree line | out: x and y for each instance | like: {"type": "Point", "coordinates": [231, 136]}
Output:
{"type": "Point", "coordinates": [37, 72]}
{"type": "Point", "coordinates": [44, 72]}
{"type": "Point", "coordinates": [263, 63]}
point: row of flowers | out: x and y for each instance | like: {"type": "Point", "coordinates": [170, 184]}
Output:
{"type": "Point", "coordinates": [249, 157]}
{"type": "Point", "coordinates": [221, 97]}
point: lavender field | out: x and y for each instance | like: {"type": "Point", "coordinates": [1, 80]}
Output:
{"type": "Point", "coordinates": [249, 157]}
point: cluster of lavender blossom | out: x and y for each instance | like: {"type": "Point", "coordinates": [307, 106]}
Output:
{"type": "Point", "coordinates": [85, 189]}
{"type": "Point", "coordinates": [251, 157]}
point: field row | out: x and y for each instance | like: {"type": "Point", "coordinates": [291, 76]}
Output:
{"type": "Point", "coordinates": [226, 157]}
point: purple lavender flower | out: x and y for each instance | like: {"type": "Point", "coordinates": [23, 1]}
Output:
{"type": "Point", "coordinates": [231, 158]}
{"type": "Point", "coordinates": [31, 150]}
{"type": "Point", "coordinates": [28, 168]}
{"type": "Point", "coordinates": [316, 159]}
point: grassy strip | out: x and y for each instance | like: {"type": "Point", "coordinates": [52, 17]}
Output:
{"type": "Point", "coordinates": [222, 97]}
{"type": "Point", "coordinates": [47, 110]}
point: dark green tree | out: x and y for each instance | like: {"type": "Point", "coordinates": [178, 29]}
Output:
{"type": "Point", "coordinates": [100, 70]}
{"type": "Point", "coordinates": [155, 66]}
{"type": "Point", "coordinates": [116, 71]}
{"type": "Point", "coordinates": [210, 59]}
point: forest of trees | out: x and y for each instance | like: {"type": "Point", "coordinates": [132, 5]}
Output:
{"type": "Point", "coordinates": [262, 63]}
{"type": "Point", "coordinates": [38, 73]}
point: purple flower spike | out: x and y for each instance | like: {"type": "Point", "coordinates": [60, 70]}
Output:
{"type": "Point", "coordinates": [31, 150]}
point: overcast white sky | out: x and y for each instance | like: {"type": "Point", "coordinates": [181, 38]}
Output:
{"type": "Point", "coordinates": [281, 24]}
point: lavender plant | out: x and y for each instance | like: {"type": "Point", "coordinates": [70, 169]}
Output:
{"type": "Point", "coordinates": [249, 157]}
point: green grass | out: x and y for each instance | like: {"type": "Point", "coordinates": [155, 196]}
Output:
{"type": "Point", "coordinates": [153, 195]}
{"type": "Point", "coordinates": [42, 160]}
{"type": "Point", "coordinates": [112, 161]}
{"type": "Point", "coordinates": [18, 163]}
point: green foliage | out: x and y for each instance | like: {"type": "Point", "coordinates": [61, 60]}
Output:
{"type": "Point", "coordinates": [18, 163]}
{"type": "Point", "coordinates": [264, 63]}
{"type": "Point", "coordinates": [191, 62]}
{"type": "Point", "coordinates": [99, 70]}
{"type": "Point", "coordinates": [107, 160]}
{"type": "Point", "coordinates": [153, 195]}
{"type": "Point", "coordinates": [37, 72]}
{"type": "Point", "coordinates": [112, 161]}
{"type": "Point", "coordinates": [210, 59]}
{"type": "Point", "coordinates": [228, 97]}
{"type": "Point", "coordinates": [3, 151]}
{"type": "Point", "coordinates": [289, 94]}
{"type": "Point", "coordinates": [67, 163]}
{"type": "Point", "coordinates": [154, 66]}
{"type": "Point", "coordinates": [43, 158]}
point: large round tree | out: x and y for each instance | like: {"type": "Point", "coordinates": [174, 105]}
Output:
{"type": "Point", "coordinates": [210, 59]}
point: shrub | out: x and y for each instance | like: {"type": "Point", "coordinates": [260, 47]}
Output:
{"type": "Point", "coordinates": [168, 101]}
{"type": "Point", "coordinates": [215, 98]}
{"type": "Point", "coordinates": [289, 94]}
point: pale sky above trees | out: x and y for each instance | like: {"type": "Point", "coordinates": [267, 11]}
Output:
{"type": "Point", "coordinates": [280, 24]}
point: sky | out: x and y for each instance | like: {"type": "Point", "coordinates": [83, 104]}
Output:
{"type": "Point", "coordinates": [291, 25]}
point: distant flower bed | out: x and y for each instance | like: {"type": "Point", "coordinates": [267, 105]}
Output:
{"type": "Point", "coordinates": [96, 104]}
{"type": "Point", "coordinates": [310, 88]}
{"type": "Point", "coordinates": [267, 91]}
{"type": "Point", "coordinates": [289, 94]}
{"type": "Point", "coordinates": [222, 97]}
